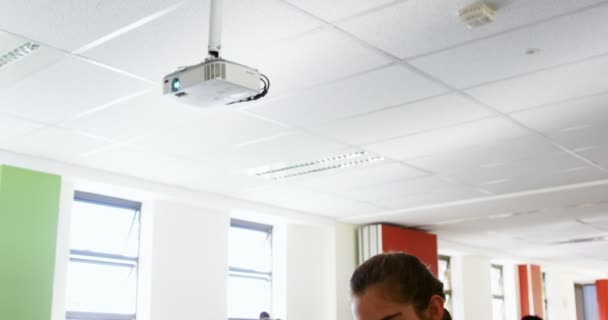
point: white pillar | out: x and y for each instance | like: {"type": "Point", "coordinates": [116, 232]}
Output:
{"type": "Point", "coordinates": [346, 262]}
{"type": "Point", "coordinates": [471, 285]}
{"type": "Point", "coordinates": [561, 300]}
{"type": "Point", "coordinates": [311, 284]}
{"type": "Point", "coordinates": [189, 263]}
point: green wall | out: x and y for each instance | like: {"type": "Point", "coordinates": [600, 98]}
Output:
{"type": "Point", "coordinates": [29, 210]}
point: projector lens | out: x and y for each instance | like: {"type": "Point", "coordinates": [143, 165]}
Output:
{"type": "Point", "coordinates": [176, 85]}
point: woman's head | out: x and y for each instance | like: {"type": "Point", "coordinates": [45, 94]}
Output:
{"type": "Point", "coordinates": [396, 286]}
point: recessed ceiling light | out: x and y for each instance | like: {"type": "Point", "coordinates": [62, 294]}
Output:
{"type": "Point", "coordinates": [283, 171]}
{"type": "Point", "coordinates": [18, 53]}
{"type": "Point", "coordinates": [493, 182]}
{"type": "Point", "coordinates": [493, 165]}
{"type": "Point", "coordinates": [576, 128]}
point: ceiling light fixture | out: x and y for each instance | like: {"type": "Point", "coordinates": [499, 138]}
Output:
{"type": "Point", "coordinates": [343, 161]}
{"type": "Point", "coordinates": [477, 14]}
{"type": "Point", "coordinates": [18, 53]}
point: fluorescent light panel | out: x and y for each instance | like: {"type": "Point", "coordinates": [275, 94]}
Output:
{"type": "Point", "coordinates": [18, 53]}
{"type": "Point", "coordinates": [311, 167]}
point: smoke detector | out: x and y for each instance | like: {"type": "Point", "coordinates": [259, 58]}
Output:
{"type": "Point", "coordinates": [477, 14]}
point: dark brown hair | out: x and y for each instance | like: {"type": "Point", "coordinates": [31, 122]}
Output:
{"type": "Point", "coordinates": [404, 278]}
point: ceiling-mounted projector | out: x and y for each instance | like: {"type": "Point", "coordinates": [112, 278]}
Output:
{"type": "Point", "coordinates": [216, 81]}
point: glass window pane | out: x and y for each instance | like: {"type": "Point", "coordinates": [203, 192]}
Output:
{"type": "Point", "coordinates": [497, 285]}
{"type": "Point", "coordinates": [247, 297]}
{"type": "Point", "coordinates": [249, 249]}
{"type": "Point", "coordinates": [498, 312]}
{"type": "Point", "coordinates": [105, 229]}
{"type": "Point", "coordinates": [101, 288]}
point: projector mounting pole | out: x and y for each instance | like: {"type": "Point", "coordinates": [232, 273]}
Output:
{"type": "Point", "coordinates": [215, 28]}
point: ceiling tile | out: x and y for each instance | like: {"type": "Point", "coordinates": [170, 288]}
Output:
{"type": "Point", "coordinates": [555, 232]}
{"type": "Point", "coordinates": [175, 171]}
{"type": "Point", "coordinates": [367, 92]}
{"type": "Point", "coordinates": [282, 150]}
{"type": "Point", "coordinates": [314, 58]}
{"type": "Point", "coordinates": [432, 25]}
{"type": "Point", "coordinates": [488, 156]}
{"type": "Point", "coordinates": [64, 90]}
{"type": "Point", "coordinates": [338, 9]}
{"type": "Point", "coordinates": [302, 199]}
{"type": "Point", "coordinates": [434, 113]}
{"type": "Point", "coordinates": [11, 128]}
{"type": "Point", "coordinates": [71, 24]}
{"type": "Point", "coordinates": [452, 139]}
{"type": "Point", "coordinates": [598, 154]}
{"type": "Point", "coordinates": [546, 87]}
{"type": "Point", "coordinates": [412, 192]}
{"type": "Point", "coordinates": [575, 124]}
{"type": "Point", "coordinates": [147, 114]}
{"type": "Point", "coordinates": [208, 132]}
{"type": "Point", "coordinates": [559, 41]}
{"type": "Point", "coordinates": [242, 25]}
{"type": "Point", "coordinates": [56, 144]}
{"type": "Point", "coordinates": [363, 176]}
{"type": "Point", "coordinates": [23, 67]}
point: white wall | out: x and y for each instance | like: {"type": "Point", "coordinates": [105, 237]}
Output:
{"type": "Point", "coordinates": [561, 300]}
{"type": "Point", "coordinates": [346, 262]}
{"type": "Point", "coordinates": [511, 291]}
{"type": "Point", "coordinates": [471, 287]}
{"type": "Point", "coordinates": [62, 250]}
{"type": "Point", "coordinates": [189, 263]}
{"type": "Point", "coordinates": [311, 282]}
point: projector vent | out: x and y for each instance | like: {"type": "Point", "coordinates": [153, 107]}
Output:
{"type": "Point", "coordinates": [215, 70]}
{"type": "Point", "coordinates": [283, 171]}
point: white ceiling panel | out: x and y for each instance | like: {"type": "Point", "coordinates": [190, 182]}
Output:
{"type": "Point", "coordinates": [489, 156]}
{"type": "Point", "coordinates": [546, 87]}
{"type": "Point", "coordinates": [159, 47]}
{"type": "Point", "coordinates": [338, 9]}
{"type": "Point", "coordinates": [600, 221]}
{"type": "Point", "coordinates": [242, 25]}
{"type": "Point", "coordinates": [196, 175]}
{"type": "Point", "coordinates": [516, 180]}
{"type": "Point", "coordinates": [552, 232]}
{"type": "Point", "coordinates": [66, 89]}
{"type": "Point", "coordinates": [370, 175]}
{"type": "Point", "coordinates": [11, 127]}
{"type": "Point", "coordinates": [408, 119]}
{"type": "Point", "coordinates": [57, 144]}
{"type": "Point", "coordinates": [23, 67]}
{"type": "Point", "coordinates": [313, 58]}
{"type": "Point", "coordinates": [412, 192]}
{"type": "Point", "coordinates": [452, 139]}
{"type": "Point", "coordinates": [576, 124]}
{"type": "Point", "coordinates": [302, 199]}
{"type": "Point", "coordinates": [71, 24]}
{"type": "Point", "coordinates": [598, 154]}
{"type": "Point", "coordinates": [559, 41]}
{"type": "Point", "coordinates": [147, 114]}
{"type": "Point", "coordinates": [208, 132]}
{"type": "Point", "coordinates": [370, 91]}
{"type": "Point", "coordinates": [282, 150]}
{"type": "Point", "coordinates": [416, 27]}
{"type": "Point", "coordinates": [477, 239]}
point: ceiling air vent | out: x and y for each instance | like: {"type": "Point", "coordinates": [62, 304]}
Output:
{"type": "Point", "coordinates": [477, 14]}
{"type": "Point", "coordinates": [581, 240]}
{"type": "Point", "coordinates": [284, 171]}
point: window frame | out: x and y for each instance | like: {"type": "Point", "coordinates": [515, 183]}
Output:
{"type": "Point", "coordinates": [447, 279]}
{"type": "Point", "coordinates": [254, 274]}
{"type": "Point", "coordinates": [501, 296]}
{"type": "Point", "coordinates": [101, 258]}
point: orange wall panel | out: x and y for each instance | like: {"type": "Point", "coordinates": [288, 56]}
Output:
{"type": "Point", "coordinates": [418, 243]}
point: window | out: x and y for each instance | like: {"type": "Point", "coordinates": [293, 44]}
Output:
{"type": "Point", "coordinates": [498, 293]}
{"type": "Point", "coordinates": [104, 255]}
{"type": "Point", "coordinates": [445, 277]}
{"type": "Point", "coordinates": [250, 270]}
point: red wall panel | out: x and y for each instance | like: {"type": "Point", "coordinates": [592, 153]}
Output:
{"type": "Point", "coordinates": [602, 299]}
{"type": "Point", "coordinates": [418, 243]}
